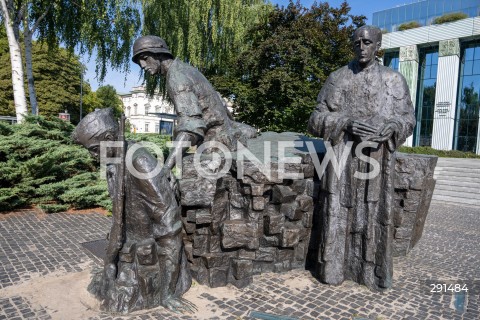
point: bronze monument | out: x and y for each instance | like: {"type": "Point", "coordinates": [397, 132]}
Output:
{"type": "Point", "coordinates": [361, 102]}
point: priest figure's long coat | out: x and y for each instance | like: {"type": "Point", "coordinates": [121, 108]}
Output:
{"type": "Point", "coordinates": [355, 229]}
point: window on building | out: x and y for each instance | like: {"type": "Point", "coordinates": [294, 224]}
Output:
{"type": "Point", "coordinates": [146, 127]}
{"type": "Point", "coordinates": [157, 128]}
{"type": "Point", "coordinates": [135, 109]}
{"type": "Point", "coordinates": [427, 83]}
{"type": "Point", "coordinates": [391, 59]}
{"type": "Point", "coordinates": [158, 109]}
{"type": "Point", "coordinates": [147, 108]}
{"type": "Point", "coordinates": [166, 127]}
{"type": "Point", "coordinates": [468, 104]}
{"type": "Point", "coordinates": [128, 111]}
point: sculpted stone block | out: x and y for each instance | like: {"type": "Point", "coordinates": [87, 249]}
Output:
{"type": "Point", "coordinates": [313, 188]}
{"type": "Point", "coordinates": [282, 194]}
{"type": "Point", "coordinates": [200, 244]}
{"type": "Point", "coordinates": [257, 189]}
{"type": "Point", "coordinates": [266, 254]}
{"type": "Point", "coordinates": [274, 224]}
{"type": "Point", "coordinates": [270, 241]}
{"type": "Point", "coordinates": [215, 245]}
{"type": "Point", "coordinates": [197, 192]}
{"type": "Point", "coordinates": [307, 219]}
{"type": "Point", "coordinates": [212, 260]}
{"type": "Point", "coordinates": [246, 254]}
{"type": "Point", "coordinates": [291, 211]}
{"type": "Point", "coordinates": [290, 237]}
{"type": "Point", "coordinates": [203, 216]}
{"type": "Point", "coordinates": [239, 233]}
{"type": "Point", "coordinates": [300, 251]}
{"type": "Point", "coordinates": [258, 203]}
{"type": "Point", "coordinates": [305, 203]}
{"type": "Point", "coordinates": [217, 277]}
{"type": "Point", "coordinates": [189, 227]}
{"type": "Point", "coordinates": [242, 268]}
{"type": "Point", "coordinates": [299, 186]}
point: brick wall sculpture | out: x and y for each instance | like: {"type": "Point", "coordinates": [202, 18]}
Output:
{"type": "Point", "coordinates": [237, 228]}
{"type": "Point", "coordinates": [414, 185]}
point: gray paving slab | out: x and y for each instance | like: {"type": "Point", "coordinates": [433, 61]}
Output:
{"type": "Point", "coordinates": [449, 250]}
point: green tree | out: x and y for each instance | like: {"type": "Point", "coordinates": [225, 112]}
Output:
{"type": "Point", "coordinates": [57, 74]}
{"type": "Point", "coordinates": [278, 77]}
{"type": "Point", "coordinates": [109, 99]}
{"type": "Point", "coordinates": [10, 14]}
{"type": "Point", "coordinates": [107, 28]}
{"type": "Point", "coordinates": [205, 33]}
{"type": "Point", "coordinates": [90, 100]}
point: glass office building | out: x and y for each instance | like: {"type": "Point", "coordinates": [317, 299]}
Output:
{"type": "Point", "coordinates": [423, 12]}
{"type": "Point", "coordinates": [441, 64]}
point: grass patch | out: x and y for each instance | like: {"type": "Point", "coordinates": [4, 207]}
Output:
{"type": "Point", "coordinates": [439, 153]}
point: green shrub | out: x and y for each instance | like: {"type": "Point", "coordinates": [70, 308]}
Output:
{"type": "Point", "coordinates": [158, 139]}
{"type": "Point", "coordinates": [40, 165]}
{"type": "Point", "coordinates": [409, 25]}
{"type": "Point", "coordinates": [439, 153]}
{"type": "Point", "coordinates": [450, 17]}
{"type": "Point", "coordinates": [51, 208]}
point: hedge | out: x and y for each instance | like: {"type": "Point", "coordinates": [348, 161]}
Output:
{"type": "Point", "coordinates": [439, 153]}
{"type": "Point", "coordinates": [40, 165]}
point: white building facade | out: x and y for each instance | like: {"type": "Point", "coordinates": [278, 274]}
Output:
{"type": "Point", "coordinates": [148, 114]}
{"type": "Point", "coordinates": [441, 64]}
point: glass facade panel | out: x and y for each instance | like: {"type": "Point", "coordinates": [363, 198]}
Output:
{"type": "Point", "coordinates": [469, 53]}
{"type": "Point", "coordinates": [423, 11]}
{"type": "Point", "coordinates": [468, 68]}
{"type": "Point", "coordinates": [476, 56]}
{"type": "Point", "coordinates": [417, 11]}
{"type": "Point", "coordinates": [427, 83]}
{"type": "Point", "coordinates": [424, 6]}
{"type": "Point", "coordinates": [456, 5]}
{"type": "Point", "coordinates": [476, 67]}
{"type": "Point", "coordinates": [468, 104]}
{"type": "Point", "coordinates": [408, 13]}
{"type": "Point", "coordinates": [391, 59]}
{"type": "Point", "coordinates": [434, 70]}
{"type": "Point", "coordinates": [439, 5]}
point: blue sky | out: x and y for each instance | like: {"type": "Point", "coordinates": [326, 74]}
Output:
{"type": "Point", "coordinates": [124, 82]}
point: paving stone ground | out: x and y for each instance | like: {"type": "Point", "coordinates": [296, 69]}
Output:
{"type": "Point", "coordinates": [34, 246]}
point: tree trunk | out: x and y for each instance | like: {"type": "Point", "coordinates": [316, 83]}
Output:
{"type": "Point", "coordinates": [17, 66]}
{"type": "Point", "coordinates": [28, 63]}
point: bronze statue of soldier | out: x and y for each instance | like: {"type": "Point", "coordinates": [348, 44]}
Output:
{"type": "Point", "coordinates": [202, 115]}
{"type": "Point", "coordinates": [145, 263]}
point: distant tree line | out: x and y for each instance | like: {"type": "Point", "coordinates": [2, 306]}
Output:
{"type": "Point", "coordinates": [270, 61]}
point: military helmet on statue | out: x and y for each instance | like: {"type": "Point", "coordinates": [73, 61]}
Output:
{"type": "Point", "coordinates": [149, 44]}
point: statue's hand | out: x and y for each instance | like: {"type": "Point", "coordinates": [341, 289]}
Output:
{"type": "Point", "coordinates": [361, 129]}
{"type": "Point", "coordinates": [385, 132]}
{"type": "Point", "coordinates": [180, 305]}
